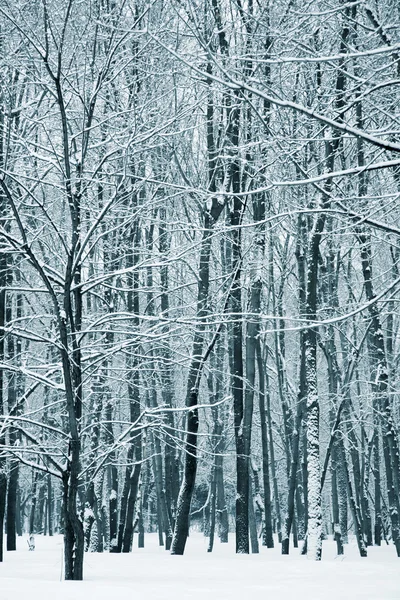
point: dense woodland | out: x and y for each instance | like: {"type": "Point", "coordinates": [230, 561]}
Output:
{"type": "Point", "coordinates": [199, 273]}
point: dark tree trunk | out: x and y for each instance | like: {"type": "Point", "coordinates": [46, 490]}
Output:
{"type": "Point", "coordinates": [12, 506]}
{"type": "Point", "coordinates": [342, 500]}
{"type": "Point", "coordinates": [223, 519]}
{"type": "Point", "coordinates": [365, 473]}
{"type": "Point", "coordinates": [89, 517]}
{"type": "Point", "coordinates": [164, 515]}
{"type": "Point", "coordinates": [219, 424]}
{"type": "Point", "coordinates": [91, 502]}
{"type": "Point", "coordinates": [352, 501]}
{"type": "Point", "coordinates": [377, 487]}
{"type": "Point", "coordinates": [164, 523]}
{"type": "Point", "coordinates": [305, 482]}
{"type": "Point", "coordinates": [292, 480]}
{"type": "Point", "coordinates": [171, 462]}
{"type": "Point", "coordinates": [279, 343]}
{"type": "Point", "coordinates": [125, 536]}
{"type": "Point", "coordinates": [272, 456]}
{"type": "Point", "coordinates": [141, 526]}
{"type": "Point", "coordinates": [14, 351]}
{"type": "Point", "coordinates": [130, 509]}
{"type": "Point", "coordinates": [32, 514]}
{"type": "Point", "coordinates": [190, 459]}
{"type": "Point", "coordinates": [295, 445]}
{"type": "Point", "coordinates": [337, 533]}
{"type": "Point", "coordinates": [300, 412]}
{"type": "Point", "coordinates": [242, 466]}
{"type": "Point", "coordinates": [19, 514]}
{"type": "Point", "coordinates": [3, 494]}
{"type": "Point", "coordinates": [213, 494]}
{"type": "Point", "coordinates": [3, 298]}
{"type": "Point", "coordinates": [267, 538]}
{"type": "Point", "coordinates": [189, 475]}
{"type": "Point", "coordinates": [40, 516]}
{"type": "Point", "coordinates": [49, 505]}
{"type": "Point", "coordinates": [382, 402]}
{"type": "Point", "coordinates": [124, 504]}
{"type": "Point", "coordinates": [252, 521]}
{"type": "Point", "coordinates": [253, 331]}
{"type": "Point", "coordinates": [74, 543]}
{"type": "Point", "coordinates": [217, 441]}
{"type": "Point", "coordinates": [113, 507]}
{"type": "Point", "coordinates": [112, 479]}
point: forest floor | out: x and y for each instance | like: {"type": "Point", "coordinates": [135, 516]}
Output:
{"type": "Point", "coordinates": [152, 573]}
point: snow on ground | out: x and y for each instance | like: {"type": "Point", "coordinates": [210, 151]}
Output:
{"type": "Point", "coordinates": [152, 573]}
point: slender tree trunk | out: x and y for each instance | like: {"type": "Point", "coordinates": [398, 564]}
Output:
{"type": "Point", "coordinates": [217, 492]}
{"type": "Point", "coordinates": [272, 456]}
{"type": "Point", "coordinates": [13, 391]}
{"type": "Point", "coordinates": [314, 538]}
{"type": "Point", "coordinates": [50, 528]}
{"type": "Point", "coordinates": [279, 343]}
{"type": "Point", "coordinates": [268, 539]}
{"type": "Point", "coordinates": [337, 533]}
{"type": "Point", "coordinates": [112, 477]}
{"type": "Point", "coordinates": [213, 494]}
{"type": "Point", "coordinates": [223, 518]}
{"type": "Point", "coordinates": [390, 437]}
{"type": "Point", "coordinates": [292, 480]}
{"type": "Point", "coordinates": [181, 531]}
{"type": "Point", "coordinates": [12, 506]}
{"type": "Point", "coordinates": [166, 526]}
{"type": "Point", "coordinates": [32, 513]}
{"type": "Point", "coordinates": [300, 413]}
{"type": "Point", "coordinates": [377, 485]}
{"type": "Point", "coordinates": [125, 535]}
{"type": "Point", "coordinates": [3, 494]}
{"type": "Point", "coordinates": [253, 331]}
{"type": "Point", "coordinates": [130, 508]}
{"type": "Point", "coordinates": [3, 300]}
{"type": "Point", "coordinates": [252, 521]}
{"type": "Point", "coordinates": [352, 501]}
{"type": "Point", "coordinates": [91, 500]}
{"type": "Point", "coordinates": [164, 513]}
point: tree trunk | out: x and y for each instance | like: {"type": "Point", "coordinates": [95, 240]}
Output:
{"type": "Point", "coordinates": [32, 514]}
{"type": "Point", "coordinates": [390, 438]}
{"type": "Point", "coordinates": [112, 477]}
{"type": "Point", "coordinates": [74, 543]}
{"type": "Point", "coordinates": [253, 331]}
{"type": "Point", "coordinates": [267, 539]}
{"type": "Point", "coordinates": [252, 521]}
{"type": "Point", "coordinates": [337, 533]}
{"type": "Point", "coordinates": [171, 461]}
{"type": "Point", "coordinates": [127, 537]}
{"type": "Point", "coordinates": [3, 299]}
{"type": "Point", "coordinates": [377, 487]}
{"type": "Point", "coordinates": [213, 494]}
{"type": "Point", "coordinates": [14, 390]}
{"type": "Point", "coordinates": [3, 494]}
{"type": "Point", "coordinates": [352, 501]}
{"type": "Point", "coordinates": [223, 518]}
{"type": "Point", "coordinates": [12, 506]}
{"type": "Point", "coordinates": [272, 457]}
{"type": "Point", "coordinates": [181, 531]}
{"type": "Point", "coordinates": [49, 506]}
{"type": "Point", "coordinates": [314, 537]}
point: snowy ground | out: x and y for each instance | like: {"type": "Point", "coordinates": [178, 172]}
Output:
{"type": "Point", "coordinates": [152, 573]}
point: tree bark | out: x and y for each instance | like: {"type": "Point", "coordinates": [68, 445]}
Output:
{"type": "Point", "coordinates": [267, 539]}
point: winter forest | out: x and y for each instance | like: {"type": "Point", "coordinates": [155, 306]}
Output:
{"type": "Point", "coordinates": [200, 279]}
